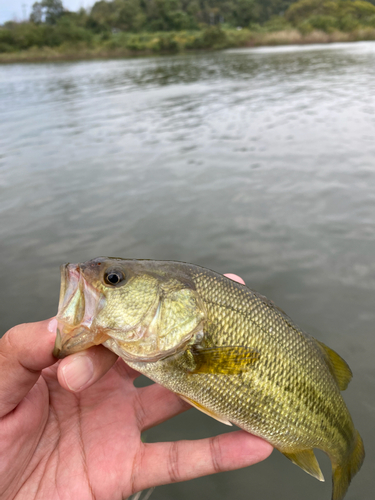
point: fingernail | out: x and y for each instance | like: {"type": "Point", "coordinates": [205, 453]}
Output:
{"type": "Point", "coordinates": [78, 372]}
{"type": "Point", "coordinates": [52, 325]}
{"type": "Point", "coordinates": [234, 277]}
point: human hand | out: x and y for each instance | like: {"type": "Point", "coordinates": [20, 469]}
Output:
{"type": "Point", "coordinates": [72, 429]}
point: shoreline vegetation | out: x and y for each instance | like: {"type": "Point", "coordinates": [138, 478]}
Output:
{"type": "Point", "coordinates": [133, 28]}
{"type": "Point", "coordinates": [169, 43]}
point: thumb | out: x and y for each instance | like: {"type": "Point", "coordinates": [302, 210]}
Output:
{"type": "Point", "coordinates": [25, 351]}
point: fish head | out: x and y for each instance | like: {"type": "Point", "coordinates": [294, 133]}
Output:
{"type": "Point", "coordinates": [141, 310]}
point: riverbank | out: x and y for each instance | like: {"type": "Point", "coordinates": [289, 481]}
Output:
{"type": "Point", "coordinates": [123, 45]}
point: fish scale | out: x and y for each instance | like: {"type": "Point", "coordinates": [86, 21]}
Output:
{"type": "Point", "coordinates": [252, 332]}
{"type": "Point", "coordinates": [228, 351]}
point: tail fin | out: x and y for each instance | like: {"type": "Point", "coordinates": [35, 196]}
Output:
{"type": "Point", "coordinates": [343, 473]}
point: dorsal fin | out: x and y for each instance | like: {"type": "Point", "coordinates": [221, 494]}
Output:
{"type": "Point", "coordinates": [307, 461]}
{"type": "Point", "coordinates": [337, 366]}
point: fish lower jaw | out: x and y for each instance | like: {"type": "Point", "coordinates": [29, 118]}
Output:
{"type": "Point", "coordinates": [71, 339]}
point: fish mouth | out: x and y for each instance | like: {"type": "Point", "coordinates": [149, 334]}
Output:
{"type": "Point", "coordinates": [78, 305]}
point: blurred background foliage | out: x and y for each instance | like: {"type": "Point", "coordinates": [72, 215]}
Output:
{"type": "Point", "coordinates": [201, 23]}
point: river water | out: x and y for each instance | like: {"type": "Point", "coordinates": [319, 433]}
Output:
{"type": "Point", "coordinates": [259, 162]}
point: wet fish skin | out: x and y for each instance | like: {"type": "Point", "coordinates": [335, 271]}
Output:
{"type": "Point", "coordinates": [226, 349]}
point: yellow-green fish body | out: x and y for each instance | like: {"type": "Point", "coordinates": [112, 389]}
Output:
{"type": "Point", "coordinates": [224, 348]}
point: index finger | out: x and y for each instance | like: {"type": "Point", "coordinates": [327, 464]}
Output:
{"type": "Point", "coordinates": [25, 351]}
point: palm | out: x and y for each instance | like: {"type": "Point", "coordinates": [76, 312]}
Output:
{"type": "Point", "coordinates": [57, 444]}
{"type": "Point", "coordinates": [91, 441]}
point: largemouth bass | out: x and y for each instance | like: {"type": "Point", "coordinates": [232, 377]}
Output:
{"type": "Point", "coordinates": [224, 348]}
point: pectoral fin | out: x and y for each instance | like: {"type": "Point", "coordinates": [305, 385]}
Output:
{"type": "Point", "coordinates": [337, 366]}
{"type": "Point", "coordinates": [227, 360]}
{"type": "Point", "coordinates": [205, 410]}
{"type": "Point", "coordinates": [307, 461]}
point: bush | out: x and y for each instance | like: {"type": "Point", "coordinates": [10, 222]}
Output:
{"type": "Point", "coordinates": [348, 23]}
{"type": "Point", "coordinates": [276, 23]}
{"type": "Point", "coordinates": [210, 38]}
{"type": "Point", "coordinates": [328, 24]}
{"type": "Point", "coordinates": [115, 42]}
{"type": "Point", "coordinates": [256, 28]}
{"type": "Point", "coordinates": [6, 47]}
{"type": "Point", "coordinates": [305, 28]}
{"type": "Point", "coordinates": [134, 43]}
{"type": "Point", "coordinates": [6, 36]}
{"type": "Point", "coordinates": [166, 43]}
{"type": "Point", "coordinates": [328, 15]}
{"type": "Point", "coordinates": [304, 9]}
{"type": "Point", "coordinates": [67, 31]}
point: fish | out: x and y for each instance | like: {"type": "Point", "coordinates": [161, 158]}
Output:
{"type": "Point", "coordinates": [222, 347]}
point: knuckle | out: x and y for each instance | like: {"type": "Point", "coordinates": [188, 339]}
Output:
{"type": "Point", "coordinates": [140, 412]}
{"type": "Point", "coordinates": [216, 454]}
{"type": "Point", "coordinates": [173, 463]}
{"type": "Point", "coordinates": [13, 350]}
{"type": "Point", "coordinates": [8, 341]}
{"type": "Point", "coordinates": [136, 470]}
{"type": "Point", "coordinates": [9, 338]}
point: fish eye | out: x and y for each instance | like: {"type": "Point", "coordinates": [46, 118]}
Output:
{"type": "Point", "coordinates": [114, 277]}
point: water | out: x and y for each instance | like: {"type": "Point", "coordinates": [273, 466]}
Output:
{"type": "Point", "coordinates": [257, 162]}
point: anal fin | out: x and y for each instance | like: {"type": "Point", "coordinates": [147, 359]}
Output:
{"type": "Point", "coordinates": [307, 461]}
{"type": "Point", "coordinates": [205, 410]}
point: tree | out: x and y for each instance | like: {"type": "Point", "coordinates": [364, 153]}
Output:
{"type": "Point", "coordinates": [36, 15]}
{"type": "Point", "coordinates": [48, 11]}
